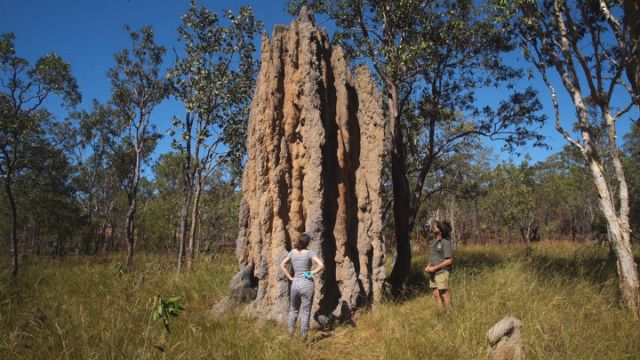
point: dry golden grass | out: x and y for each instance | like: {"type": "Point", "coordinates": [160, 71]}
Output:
{"type": "Point", "coordinates": [83, 308]}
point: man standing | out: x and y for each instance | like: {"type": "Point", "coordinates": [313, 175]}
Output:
{"type": "Point", "coordinates": [440, 263]}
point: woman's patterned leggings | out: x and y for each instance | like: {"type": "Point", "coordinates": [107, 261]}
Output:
{"type": "Point", "coordinates": [301, 292]}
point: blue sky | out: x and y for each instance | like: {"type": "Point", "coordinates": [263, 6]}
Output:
{"type": "Point", "coordinates": [88, 33]}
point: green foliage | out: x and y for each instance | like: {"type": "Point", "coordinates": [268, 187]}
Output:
{"type": "Point", "coordinates": [511, 195]}
{"type": "Point", "coordinates": [551, 199]}
{"type": "Point", "coordinates": [166, 308]}
{"type": "Point", "coordinates": [219, 208]}
{"type": "Point", "coordinates": [214, 81]}
{"type": "Point", "coordinates": [99, 175]}
{"type": "Point", "coordinates": [137, 88]}
{"type": "Point", "coordinates": [25, 141]}
{"type": "Point", "coordinates": [55, 75]}
{"type": "Point", "coordinates": [137, 83]}
{"type": "Point", "coordinates": [23, 120]}
{"type": "Point", "coordinates": [119, 268]}
{"type": "Point", "coordinates": [27, 86]}
{"type": "Point", "coordinates": [162, 215]}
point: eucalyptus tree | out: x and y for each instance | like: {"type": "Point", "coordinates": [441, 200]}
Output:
{"type": "Point", "coordinates": [138, 87]}
{"type": "Point", "coordinates": [163, 219]}
{"type": "Point", "coordinates": [431, 57]}
{"type": "Point", "coordinates": [511, 198]}
{"type": "Point", "coordinates": [24, 88]}
{"type": "Point", "coordinates": [92, 141]}
{"type": "Point", "coordinates": [220, 206]}
{"type": "Point", "coordinates": [214, 80]}
{"type": "Point", "coordinates": [48, 195]}
{"type": "Point", "coordinates": [460, 54]}
{"type": "Point", "coordinates": [589, 48]}
{"type": "Point", "coordinates": [454, 187]}
{"type": "Point", "coordinates": [568, 203]}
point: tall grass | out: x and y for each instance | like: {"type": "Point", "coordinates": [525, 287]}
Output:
{"type": "Point", "coordinates": [85, 308]}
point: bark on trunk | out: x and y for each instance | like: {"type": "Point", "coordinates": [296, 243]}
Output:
{"type": "Point", "coordinates": [620, 239]}
{"type": "Point", "coordinates": [186, 199]}
{"type": "Point", "coordinates": [102, 238]}
{"type": "Point", "coordinates": [131, 212]}
{"type": "Point", "coordinates": [194, 226]}
{"type": "Point", "coordinates": [187, 191]}
{"type": "Point", "coordinates": [401, 202]}
{"type": "Point", "coordinates": [130, 228]}
{"type": "Point", "coordinates": [198, 242]}
{"type": "Point", "coordinates": [14, 224]}
{"type": "Point", "coordinates": [455, 232]}
{"type": "Point", "coordinates": [619, 223]}
{"type": "Point", "coordinates": [143, 227]}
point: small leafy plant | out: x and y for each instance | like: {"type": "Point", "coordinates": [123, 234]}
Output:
{"type": "Point", "coordinates": [166, 308]}
{"type": "Point", "coordinates": [118, 268]}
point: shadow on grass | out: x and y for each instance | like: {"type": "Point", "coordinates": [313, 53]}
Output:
{"type": "Point", "coordinates": [581, 263]}
{"type": "Point", "coordinates": [597, 270]}
{"type": "Point", "coordinates": [476, 261]}
{"type": "Point", "coordinates": [471, 262]}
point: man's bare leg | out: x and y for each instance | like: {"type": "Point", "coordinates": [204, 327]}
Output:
{"type": "Point", "coordinates": [436, 294]}
{"type": "Point", "coordinates": [446, 300]}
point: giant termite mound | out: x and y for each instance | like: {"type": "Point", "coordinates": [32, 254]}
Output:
{"type": "Point", "coordinates": [315, 156]}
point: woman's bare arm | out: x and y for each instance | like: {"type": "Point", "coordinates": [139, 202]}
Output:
{"type": "Point", "coordinates": [285, 270]}
{"type": "Point", "coordinates": [320, 264]}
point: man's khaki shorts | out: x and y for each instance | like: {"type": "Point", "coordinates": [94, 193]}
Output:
{"type": "Point", "coordinates": [439, 281]}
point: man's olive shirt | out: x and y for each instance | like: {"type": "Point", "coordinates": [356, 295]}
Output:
{"type": "Point", "coordinates": [440, 251]}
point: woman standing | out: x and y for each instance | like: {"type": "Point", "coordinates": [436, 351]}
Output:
{"type": "Point", "coordinates": [302, 285]}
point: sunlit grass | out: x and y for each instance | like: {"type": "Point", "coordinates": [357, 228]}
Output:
{"type": "Point", "coordinates": [83, 308]}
